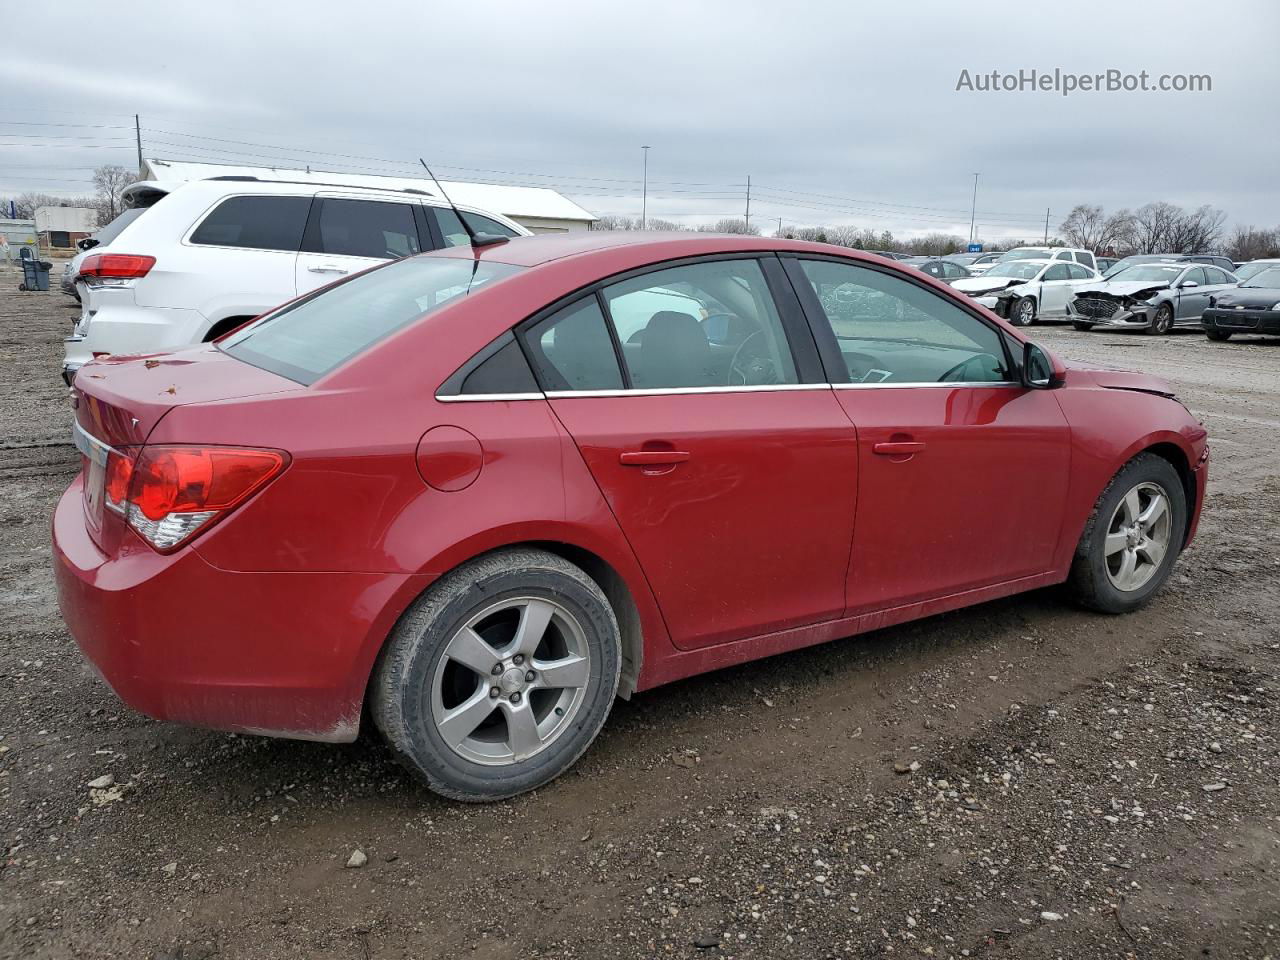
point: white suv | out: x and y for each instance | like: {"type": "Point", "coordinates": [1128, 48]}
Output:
{"type": "Point", "coordinates": [1074, 254]}
{"type": "Point", "coordinates": [205, 256]}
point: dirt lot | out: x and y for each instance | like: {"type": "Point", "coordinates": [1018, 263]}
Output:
{"type": "Point", "coordinates": [1087, 786]}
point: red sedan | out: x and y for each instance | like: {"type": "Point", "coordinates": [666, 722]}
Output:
{"type": "Point", "coordinates": [480, 495]}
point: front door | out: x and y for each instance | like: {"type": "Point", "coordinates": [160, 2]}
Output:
{"type": "Point", "coordinates": [1055, 289]}
{"type": "Point", "coordinates": [962, 471]}
{"type": "Point", "coordinates": [345, 235]}
{"type": "Point", "coordinates": [733, 479]}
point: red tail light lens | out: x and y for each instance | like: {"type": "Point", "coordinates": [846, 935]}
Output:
{"type": "Point", "coordinates": [117, 266]}
{"type": "Point", "coordinates": [116, 485]}
{"type": "Point", "coordinates": [175, 492]}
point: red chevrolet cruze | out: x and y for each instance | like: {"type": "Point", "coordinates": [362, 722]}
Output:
{"type": "Point", "coordinates": [478, 496]}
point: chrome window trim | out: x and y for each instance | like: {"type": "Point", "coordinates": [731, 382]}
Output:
{"type": "Point", "coordinates": [672, 391]}
{"type": "Point", "coordinates": [933, 384]}
{"type": "Point", "coordinates": [676, 391]}
{"type": "Point", "coordinates": [486, 397]}
{"type": "Point", "coordinates": [89, 445]}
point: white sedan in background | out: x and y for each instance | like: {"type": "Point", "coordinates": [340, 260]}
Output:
{"type": "Point", "coordinates": [1024, 291]}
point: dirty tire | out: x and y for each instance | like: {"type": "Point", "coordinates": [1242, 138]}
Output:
{"type": "Point", "coordinates": [1217, 335]}
{"type": "Point", "coordinates": [1089, 582]}
{"type": "Point", "coordinates": [1023, 312]}
{"type": "Point", "coordinates": [1083, 327]}
{"type": "Point", "coordinates": [400, 696]}
{"type": "Point", "coordinates": [1163, 321]}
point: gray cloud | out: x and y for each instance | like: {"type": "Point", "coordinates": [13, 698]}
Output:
{"type": "Point", "coordinates": [840, 112]}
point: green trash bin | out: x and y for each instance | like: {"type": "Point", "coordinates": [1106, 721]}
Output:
{"type": "Point", "coordinates": [35, 274]}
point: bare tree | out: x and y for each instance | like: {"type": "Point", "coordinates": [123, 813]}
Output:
{"type": "Point", "coordinates": [1248, 243]}
{"type": "Point", "coordinates": [1088, 227]}
{"type": "Point", "coordinates": [111, 180]}
{"type": "Point", "coordinates": [730, 225]}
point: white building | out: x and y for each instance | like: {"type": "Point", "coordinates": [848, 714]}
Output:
{"type": "Point", "coordinates": [540, 209]}
{"type": "Point", "coordinates": [63, 226]}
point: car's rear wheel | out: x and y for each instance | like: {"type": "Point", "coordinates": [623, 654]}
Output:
{"type": "Point", "coordinates": [1163, 321]}
{"type": "Point", "coordinates": [1217, 335]}
{"type": "Point", "coordinates": [500, 676]}
{"type": "Point", "coordinates": [1081, 325]}
{"type": "Point", "coordinates": [1132, 538]}
{"type": "Point", "coordinates": [1023, 313]}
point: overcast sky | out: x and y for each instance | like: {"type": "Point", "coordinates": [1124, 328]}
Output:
{"type": "Point", "coordinates": [839, 112]}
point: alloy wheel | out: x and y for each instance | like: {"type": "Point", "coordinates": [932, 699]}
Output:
{"type": "Point", "coordinates": [1026, 312]}
{"type": "Point", "coordinates": [511, 681]}
{"type": "Point", "coordinates": [1138, 537]}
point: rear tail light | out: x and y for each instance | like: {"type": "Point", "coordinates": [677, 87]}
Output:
{"type": "Point", "coordinates": [171, 493]}
{"type": "Point", "coordinates": [115, 269]}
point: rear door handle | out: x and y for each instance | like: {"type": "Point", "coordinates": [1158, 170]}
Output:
{"type": "Point", "coordinates": [897, 448]}
{"type": "Point", "coordinates": [652, 458]}
{"type": "Point", "coordinates": [326, 268]}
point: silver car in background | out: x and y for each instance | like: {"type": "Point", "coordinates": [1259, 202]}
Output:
{"type": "Point", "coordinates": [1155, 297]}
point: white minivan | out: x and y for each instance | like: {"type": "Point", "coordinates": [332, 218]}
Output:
{"type": "Point", "coordinates": [206, 255]}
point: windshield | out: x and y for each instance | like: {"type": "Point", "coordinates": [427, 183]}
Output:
{"type": "Point", "coordinates": [1014, 271]}
{"type": "Point", "coordinates": [1148, 271]}
{"type": "Point", "coordinates": [1024, 253]}
{"type": "Point", "coordinates": [1250, 270]}
{"type": "Point", "coordinates": [307, 339]}
{"type": "Point", "coordinates": [1267, 278]}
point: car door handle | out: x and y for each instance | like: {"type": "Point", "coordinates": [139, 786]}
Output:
{"type": "Point", "coordinates": [652, 458]}
{"type": "Point", "coordinates": [897, 448]}
{"type": "Point", "coordinates": [326, 268]}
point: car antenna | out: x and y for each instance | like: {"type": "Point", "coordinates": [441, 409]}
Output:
{"type": "Point", "coordinates": [477, 239]}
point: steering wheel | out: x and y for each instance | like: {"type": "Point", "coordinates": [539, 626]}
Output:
{"type": "Point", "coordinates": [975, 369]}
{"type": "Point", "coordinates": [754, 368]}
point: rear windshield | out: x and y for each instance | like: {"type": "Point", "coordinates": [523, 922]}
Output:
{"type": "Point", "coordinates": [307, 339]}
{"type": "Point", "coordinates": [113, 229]}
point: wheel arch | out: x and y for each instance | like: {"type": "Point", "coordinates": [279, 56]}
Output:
{"type": "Point", "coordinates": [1181, 463]}
{"type": "Point", "coordinates": [224, 326]}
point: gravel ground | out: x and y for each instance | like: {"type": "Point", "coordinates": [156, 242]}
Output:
{"type": "Point", "coordinates": [1071, 785]}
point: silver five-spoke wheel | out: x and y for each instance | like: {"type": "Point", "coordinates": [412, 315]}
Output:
{"type": "Point", "coordinates": [1138, 537]}
{"type": "Point", "coordinates": [511, 680]}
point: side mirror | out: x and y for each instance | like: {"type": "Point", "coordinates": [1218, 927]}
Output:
{"type": "Point", "coordinates": [1188, 283]}
{"type": "Point", "coordinates": [1039, 372]}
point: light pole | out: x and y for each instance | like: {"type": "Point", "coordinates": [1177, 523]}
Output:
{"type": "Point", "coordinates": [973, 210]}
{"type": "Point", "coordinates": [644, 192]}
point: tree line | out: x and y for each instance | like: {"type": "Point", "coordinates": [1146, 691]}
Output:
{"type": "Point", "coordinates": [109, 182]}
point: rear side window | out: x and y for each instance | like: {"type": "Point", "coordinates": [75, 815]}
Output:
{"type": "Point", "coordinates": [1078, 272]}
{"type": "Point", "coordinates": [258, 223]}
{"type": "Point", "coordinates": [366, 228]}
{"type": "Point", "coordinates": [455, 235]}
{"type": "Point", "coordinates": [307, 339]}
{"type": "Point", "coordinates": [1058, 271]}
{"type": "Point", "coordinates": [573, 351]}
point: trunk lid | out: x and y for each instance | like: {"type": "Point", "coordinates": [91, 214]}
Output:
{"type": "Point", "coordinates": [119, 400]}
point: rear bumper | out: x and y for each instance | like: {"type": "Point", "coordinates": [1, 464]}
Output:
{"type": "Point", "coordinates": [281, 654]}
{"type": "Point", "coordinates": [121, 327]}
{"type": "Point", "coordinates": [1242, 321]}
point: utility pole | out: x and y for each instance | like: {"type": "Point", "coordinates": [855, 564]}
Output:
{"type": "Point", "coordinates": [644, 192]}
{"type": "Point", "coordinates": [973, 210]}
{"type": "Point", "coordinates": [1046, 226]}
{"type": "Point", "coordinates": [746, 217]}
{"type": "Point", "coordinates": [779, 226]}
{"type": "Point", "coordinates": [137, 130]}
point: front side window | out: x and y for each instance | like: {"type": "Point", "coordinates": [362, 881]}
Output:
{"type": "Point", "coordinates": [894, 332]}
{"type": "Point", "coordinates": [367, 228]}
{"type": "Point", "coordinates": [709, 324]}
{"type": "Point", "coordinates": [258, 223]}
{"type": "Point", "coordinates": [307, 339]}
{"type": "Point", "coordinates": [455, 235]}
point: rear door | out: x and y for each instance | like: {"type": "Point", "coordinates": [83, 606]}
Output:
{"type": "Point", "coordinates": [348, 234]}
{"type": "Point", "coordinates": [720, 448]}
{"type": "Point", "coordinates": [962, 471]}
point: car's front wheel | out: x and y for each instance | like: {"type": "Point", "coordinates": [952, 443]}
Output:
{"type": "Point", "coordinates": [1217, 335]}
{"type": "Point", "coordinates": [1081, 325]}
{"type": "Point", "coordinates": [499, 677]}
{"type": "Point", "coordinates": [1163, 321]}
{"type": "Point", "coordinates": [1132, 538]}
{"type": "Point", "coordinates": [1023, 313]}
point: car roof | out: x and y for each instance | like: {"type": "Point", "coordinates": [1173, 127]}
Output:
{"type": "Point", "coordinates": [642, 247]}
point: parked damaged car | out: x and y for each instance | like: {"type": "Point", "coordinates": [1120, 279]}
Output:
{"type": "Point", "coordinates": [1251, 307]}
{"type": "Point", "coordinates": [1155, 297]}
{"type": "Point", "coordinates": [1023, 291]}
